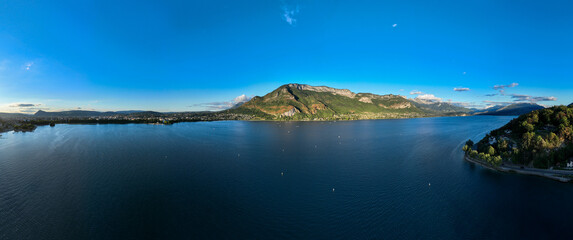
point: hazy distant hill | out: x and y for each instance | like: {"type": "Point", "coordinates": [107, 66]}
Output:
{"type": "Point", "coordinates": [439, 107]}
{"type": "Point", "coordinates": [82, 113]}
{"type": "Point", "coordinates": [305, 102]}
{"type": "Point", "coordinates": [13, 115]}
{"type": "Point", "coordinates": [129, 111]}
{"type": "Point", "coordinates": [74, 113]}
{"type": "Point", "coordinates": [511, 110]}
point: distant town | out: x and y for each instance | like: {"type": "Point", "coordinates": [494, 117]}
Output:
{"type": "Point", "coordinates": [24, 122]}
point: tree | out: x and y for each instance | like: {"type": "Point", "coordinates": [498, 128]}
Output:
{"type": "Point", "coordinates": [565, 132]}
{"type": "Point", "coordinates": [553, 141]}
{"type": "Point", "coordinates": [527, 140]}
{"type": "Point", "coordinates": [527, 127]}
{"type": "Point", "coordinates": [470, 143]}
{"type": "Point", "coordinates": [534, 118]}
{"type": "Point", "coordinates": [539, 142]}
{"type": "Point", "coordinates": [497, 160]}
{"type": "Point", "coordinates": [502, 145]}
{"type": "Point", "coordinates": [491, 151]}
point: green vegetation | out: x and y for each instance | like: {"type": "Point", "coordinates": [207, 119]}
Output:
{"type": "Point", "coordinates": [15, 125]}
{"type": "Point", "coordinates": [542, 139]}
{"type": "Point", "coordinates": [303, 102]}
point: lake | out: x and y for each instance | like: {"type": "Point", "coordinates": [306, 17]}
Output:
{"type": "Point", "coordinates": [391, 179]}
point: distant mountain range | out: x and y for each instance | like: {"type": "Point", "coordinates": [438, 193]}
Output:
{"type": "Point", "coordinates": [305, 102]}
{"type": "Point", "coordinates": [510, 110]}
{"type": "Point", "coordinates": [84, 113]}
{"type": "Point", "coordinates": [12, 115]}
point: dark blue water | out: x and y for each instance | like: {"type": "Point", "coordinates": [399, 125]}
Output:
{"type": "Point", "coordinates": [392, 179]}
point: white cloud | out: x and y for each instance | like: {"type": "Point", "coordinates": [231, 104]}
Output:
{"type": "Point", "coordinates": [28, 65]}
{"type": "Point", "coordinates": [415, 92]}
{"type": "Point", "coordinates": [224, 105]}
{"type": "Point", "coordinates": [461, 89]}
{"type": "Point", "coordinates": [394, 25]}
{"type": "Point", "coordinates": [241, 99]}
{"type": "Point", "coordinates": [428, 98]}
{"type": "Point", "coordinates": [289, 14]}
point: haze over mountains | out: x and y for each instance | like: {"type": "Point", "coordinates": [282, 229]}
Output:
{"type": "Point", "coordinates": [510, 110]}
{"type": "Point", "coordinates": [84, 113]}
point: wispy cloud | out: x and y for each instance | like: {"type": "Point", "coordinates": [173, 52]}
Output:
{"type": "Point", "coordinates": [489, 103]}
{"type": "Point", "coordinates": [465, 104]}
{"type": "Point", "coordinates": [461, 89]}
{"type": "Point", "coordinates": [498, 87]}
{"type": "Point", "coordinates": [28, 65]}
{"type": "Point", "coordinates": [527, 98]}
{"type": "Point", "coordinates": [289, 13]}
{"type": "Point", "coordinates": [491, 95]}
{"type": "Point", "coordinates": [416, 92]}
{"type": "Point", "coordinates": [223, 105]}
{"type": "Point", "coordinates": [394, 25]}
{"type": "Point", "coordinates": [24, 105]}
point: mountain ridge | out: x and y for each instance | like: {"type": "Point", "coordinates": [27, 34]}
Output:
{"type": "Point", "coordinates": [305, 102]}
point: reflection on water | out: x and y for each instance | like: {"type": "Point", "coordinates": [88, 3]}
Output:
{"type": "Point", "coordinates": [393, 179]}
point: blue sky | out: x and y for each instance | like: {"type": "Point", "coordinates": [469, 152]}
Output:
{"type": "Point", "coordinates": [200, 55]}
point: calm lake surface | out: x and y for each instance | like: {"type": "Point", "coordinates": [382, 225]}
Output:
{"type": "Point", "coordinates": [392, 179]}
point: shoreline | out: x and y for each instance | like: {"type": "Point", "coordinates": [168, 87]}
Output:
{"type": "Point", "coordinates": [557, 175]}
{"type": "Point", "coordinates": [121, 122]}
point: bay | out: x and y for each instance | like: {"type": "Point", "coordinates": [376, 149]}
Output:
{"type": "Point", "coordinates": [391, 179]}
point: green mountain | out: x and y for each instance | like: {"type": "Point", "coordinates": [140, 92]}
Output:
{"type": "Point", "coordinates": [542, 138]}
{"type": "Point", "coordinates": [511, 110]}
{"type": "Point", "coordinates": [305, 102]}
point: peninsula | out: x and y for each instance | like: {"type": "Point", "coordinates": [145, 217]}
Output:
{"type": "Point", "coordinates": [537, 143]}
